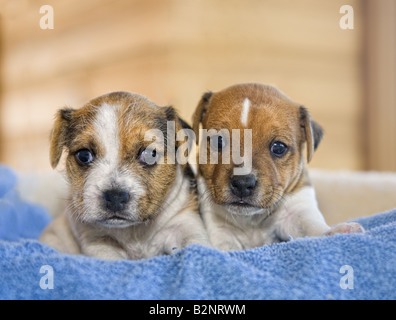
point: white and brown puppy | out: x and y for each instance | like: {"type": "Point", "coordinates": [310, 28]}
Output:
{"type": "Point", "coordinates": [128, 198]}
{"type": "Point", "coordinates": [273, 200]}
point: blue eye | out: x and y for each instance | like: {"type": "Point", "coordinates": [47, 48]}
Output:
{"type": "Point", "coordinates": [148, 157]}
{"type": "Point", "coordinates": [278, 149]}
{"type": "Point", "coordinates": [84, 156]}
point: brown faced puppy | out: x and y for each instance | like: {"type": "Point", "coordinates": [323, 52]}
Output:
{"type": "Point", "coordinates": [258, 190]}
{"type": "Point", "coordinates": [129, 198]}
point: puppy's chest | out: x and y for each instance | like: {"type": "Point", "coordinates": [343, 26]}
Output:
{"type": "Point", "coordinates": [256, 236]}
{"type": "Point", "coordinates": [139, 243]}
{"type": "Point", "coordinates": [156, 238]}
{"type": "Point", "coordinates": [237, 234]}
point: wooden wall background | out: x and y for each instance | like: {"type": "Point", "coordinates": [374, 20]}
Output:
{"type": "Point", "coordinates": [174, 50]}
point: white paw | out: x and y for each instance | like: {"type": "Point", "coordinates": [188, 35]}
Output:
{"type": "Point", "coordinates": [351, 227]}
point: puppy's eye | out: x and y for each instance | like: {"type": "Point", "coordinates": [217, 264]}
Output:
{"type": "Point", "coordinates": [217, 143]}
{"type": "Point", "coordinates": [278, 149]}
{"type": "Point", "coordinates": [148, 157]}
{"type": "Point", "coordinates": [84, 156]}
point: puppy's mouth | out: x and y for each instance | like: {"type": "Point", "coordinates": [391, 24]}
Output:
{"type": "Point", "coordinates": [241, 203]}
{"type": "Point", "coordinates": [117, 221]}
{"type": "Point", "coordinates": [244, 208]}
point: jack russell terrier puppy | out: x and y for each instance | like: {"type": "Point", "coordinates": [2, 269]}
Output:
{"type": "Point", "coordinates": [128, 199]}
{"type": "Point", "coordinates": [268, 196]}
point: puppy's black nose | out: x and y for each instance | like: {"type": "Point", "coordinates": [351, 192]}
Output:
{"type": "Point", "coordinates": [243, 186]}
{"type": "Point", "coordinates": [115, 199]}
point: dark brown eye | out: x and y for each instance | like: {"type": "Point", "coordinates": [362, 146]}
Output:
{"type": "Point", "coordinates": [84, 157]}
{"type": "Point", "coordinates": [148, 157]}
{"type": "Point", "coordinates": [217, 143]}
{"type": "Point", "coordinates": [278, 149]}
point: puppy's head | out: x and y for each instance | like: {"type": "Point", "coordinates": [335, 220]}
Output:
{"type": "Point", "coordinates": [116, 162]}
{"type": "Point", "coordinates": [281, 130]}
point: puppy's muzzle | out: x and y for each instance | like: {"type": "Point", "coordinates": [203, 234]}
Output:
{"type": "Point", "coordinates": [115, 200]}
{"type": "Point", "coordinates": [243, 185]}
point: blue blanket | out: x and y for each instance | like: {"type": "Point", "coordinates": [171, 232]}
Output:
{"type": "Point", "coordinates": [356, 266]}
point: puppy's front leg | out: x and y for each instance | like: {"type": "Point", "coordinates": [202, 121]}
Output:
{"type": "Point", "coordinates": [300, 217]}
{"type": "Point", "coordinates": [184, 229]}
{"type": "Point", "coordinates": [345, 227]}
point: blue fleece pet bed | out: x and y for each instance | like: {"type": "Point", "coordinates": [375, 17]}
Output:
{"type": "Point", "coordinates": [357, 266]}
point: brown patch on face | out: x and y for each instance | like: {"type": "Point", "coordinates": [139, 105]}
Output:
{"type": "Point", "coordinates": [76, 130]}
{"type": "Point", "coordinates": [157, 178]}
{"type": "Point", "coordinates": [273, 118]}
{"type": "Point", "coordinates": [73, 130]}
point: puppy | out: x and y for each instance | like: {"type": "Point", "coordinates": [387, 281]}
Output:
{"type": "Point", "coordinates": [128, 198]}
{"type": "Point", "coordinates": [268, 196]}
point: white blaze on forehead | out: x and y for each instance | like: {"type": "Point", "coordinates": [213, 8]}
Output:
{"type": "Point", "coordinates": [245, 111]}
{"type": "Point", "coordinates": [106, 127]}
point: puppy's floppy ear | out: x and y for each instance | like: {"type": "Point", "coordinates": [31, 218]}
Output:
{"type": "Point", "coordinates": [183, 125]}
{"type": "Point", "coordinates": [313, 132]}
{"type": "Point", "coordinates": [59, 135]}
{"type": "Point", "coordinates": [180, 124]}
{"type": "Point", "coordinates": [200, 112]}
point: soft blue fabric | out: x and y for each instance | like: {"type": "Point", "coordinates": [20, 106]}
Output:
{"type": "Point", "coordinates": [18, 219]}
{"type": "Point", "coordinates": [307, 268]}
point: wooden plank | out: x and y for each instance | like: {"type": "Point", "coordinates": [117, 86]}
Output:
{"type": "Point", "coordinates": [380, 84]}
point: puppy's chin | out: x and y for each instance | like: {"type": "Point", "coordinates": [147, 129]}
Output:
{"type": "Point", "coordinates": [260, 203]}
{"type": "Point", "coordinates": [243, 209]}
{"type": "Point", "coordinates": [117, 222]}
{"type": "Point", "coordinates": [235, 206]}
{"type": "Point", "coordinates": [251, 206]}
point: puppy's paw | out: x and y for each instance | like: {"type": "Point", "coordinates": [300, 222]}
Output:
{"type": "Point", "coordinates": [350, 227]}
